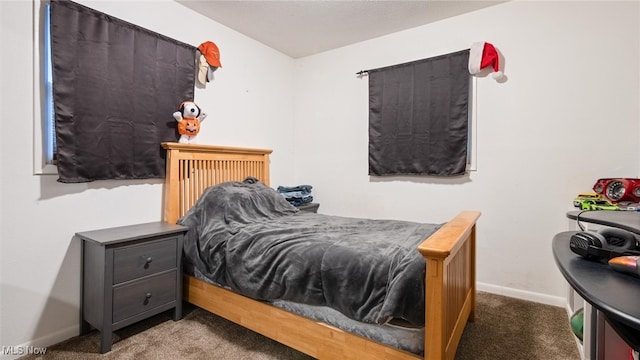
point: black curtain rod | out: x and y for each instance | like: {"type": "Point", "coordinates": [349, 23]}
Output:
{"type": "Point", "coordinates": [366, 72]}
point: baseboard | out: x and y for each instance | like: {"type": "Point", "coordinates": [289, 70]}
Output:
{"type": "Point", "coordinates": [39, 345]}
{"type": "Point", "coordinates": [522, 294]}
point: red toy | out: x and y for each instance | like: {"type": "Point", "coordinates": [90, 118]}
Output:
{"type": "Point", "coordinates": [618, 189]}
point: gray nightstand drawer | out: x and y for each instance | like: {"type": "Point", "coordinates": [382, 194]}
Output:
{"type": "Point", "coordinates": [131, 262]}
{"type": "Point", "coordinates": [140, 296]}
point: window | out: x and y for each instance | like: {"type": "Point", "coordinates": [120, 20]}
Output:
{"type": "Point", "coordinates": [419, 117]}
{"type": "Point", "coordinates": [473, 127]}
{"type": "Point", "coordinates": [44, 130]}
{"type": "Point", "coordinates": [116, 85]}
{"type": "Point", "coordinates": [48, 113]}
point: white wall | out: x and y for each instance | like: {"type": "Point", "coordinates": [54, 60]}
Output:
{"type": "Point", "coordinates": [249, 104]}
{"type": "Point", "coordinates": [568, 114]}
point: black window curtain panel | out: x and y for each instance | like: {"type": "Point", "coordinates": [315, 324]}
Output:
{"type": "Point", "coordinates": [418, 117]}
{"type": "Point", "coordinates": [116, 86]}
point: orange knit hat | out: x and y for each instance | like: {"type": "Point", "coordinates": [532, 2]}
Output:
{"type": "Point", "coordinates": [211, 53]}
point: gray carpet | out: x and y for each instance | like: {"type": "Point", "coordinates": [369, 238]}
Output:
{"type": "Point", "coordinates": [505, 328]}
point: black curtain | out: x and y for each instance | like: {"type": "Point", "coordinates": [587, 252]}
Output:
{"type": "Point", "coordinates": [115, 86]}
{"type": "Point", "coordinates": [418, 117]}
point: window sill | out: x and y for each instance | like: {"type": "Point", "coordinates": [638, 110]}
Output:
{"type": "Point", "coordinates": [46, 170]}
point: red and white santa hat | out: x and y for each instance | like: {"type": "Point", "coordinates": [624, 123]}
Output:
{"type": "Point", "coordinates": [482, 55]}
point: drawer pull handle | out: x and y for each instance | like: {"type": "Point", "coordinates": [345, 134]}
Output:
{"type": "Point", "coordinates": [149, 259]}
{"type": "Point", "coordinates": [147, 298]}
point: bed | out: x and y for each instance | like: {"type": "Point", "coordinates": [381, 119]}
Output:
{"type": "Point", "coordinates": [449, 254]}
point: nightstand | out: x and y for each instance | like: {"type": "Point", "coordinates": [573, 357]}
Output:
{"type": "Point", "coordinates": [129, 273]}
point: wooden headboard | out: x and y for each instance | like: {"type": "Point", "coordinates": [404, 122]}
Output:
{"type": "Point", "coordinates": [191, 168]}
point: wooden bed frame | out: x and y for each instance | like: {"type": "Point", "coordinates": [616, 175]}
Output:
{"type": "Point", "coordinates": [449, 253]}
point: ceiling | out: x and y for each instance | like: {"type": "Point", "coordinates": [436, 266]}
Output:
{"type": "Point", "coordinates": [306, 27]}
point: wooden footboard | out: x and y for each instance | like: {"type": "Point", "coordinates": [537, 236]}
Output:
{"type": "Point", "coordinates": [449, 254]}
{"type": "Point", "coordinates": [450, 284]}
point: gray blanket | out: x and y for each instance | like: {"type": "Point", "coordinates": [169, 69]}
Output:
{"type": "Point", "coordinates": [247, 237]}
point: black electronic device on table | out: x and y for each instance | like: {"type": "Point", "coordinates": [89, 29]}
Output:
{"type": "Point", "coordinates": [614, 246]}
{"type": "Point", "coordinates": [604, 244]}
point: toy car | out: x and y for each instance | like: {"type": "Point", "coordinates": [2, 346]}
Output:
{"type": "Point", "coordinates": [586, 196]}
{"type": "Point", "coordinates": [594, 204]}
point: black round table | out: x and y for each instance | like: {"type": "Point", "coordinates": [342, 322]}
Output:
{"type": "Point", "coordinates": [616, 295]}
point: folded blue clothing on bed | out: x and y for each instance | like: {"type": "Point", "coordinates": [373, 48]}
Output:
{"type": "Point", "coordinates": [296, 195]}
{"type": "Point", "coordinates": [298, 200]}
{"type": "Point", "coordinates": [302, 188]}
{"type": "Point", "coordinates": [249, 238]}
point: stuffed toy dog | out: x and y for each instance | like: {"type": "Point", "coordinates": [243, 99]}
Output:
{"type": "Point", "coordinates": [189, 116]}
